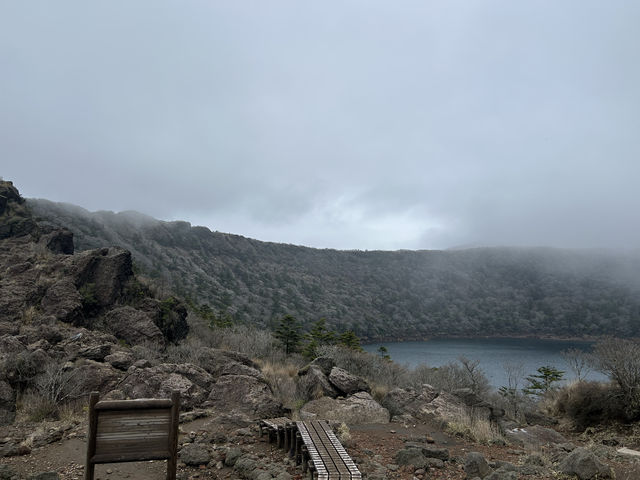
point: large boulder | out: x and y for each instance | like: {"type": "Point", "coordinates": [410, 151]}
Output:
{"type": "Point", "coordinates": [169, 315]}
{"type": "Point", "coordinates": [356, 409]}
{"type": "Point", "coordinates": [133, 326]}
{"type": "Point", "coordinates": [244, 394]}
{"type": "Point", "coordinates": [533, 435]}
{"type": "Point", "coordinates": [7, 404]}
{"type": "Point", "coordinates": [191, 381]}
{"type": "Point", "coordinates": [104, 271]}
{"type": "Point", "coordinates": [63, 301]}
{"type": "Point", "coordinates": [347, 383]}
{"type": "Point", "coordinates": [315, 383]}
{"type": "Point", "coordinates": [223, 362]}
{"type": "Point", "coordinates": [92, 376]}
{"type": "Point", "coordinates": [407, 401]}
{"type": "Point", "coordinates": [585, 465]}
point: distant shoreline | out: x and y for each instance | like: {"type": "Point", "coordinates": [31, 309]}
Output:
{"type": "Point", "coordinates": [586, 339]}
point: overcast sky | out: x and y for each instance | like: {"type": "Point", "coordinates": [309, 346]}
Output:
{"type": "Point", "coordinates": [341, 124]}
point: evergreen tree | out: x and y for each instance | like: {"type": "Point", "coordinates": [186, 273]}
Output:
{"type": "Point", "coordinates": [543, 382]}
{"type": "Point", "coordinates": [288, 332]}
{"type": "Point", "coordinates": [384, 353]}
{"type": "Point", "coordinates": [317, 336]}
{"type": "Point", "coordinates": [350, 340]}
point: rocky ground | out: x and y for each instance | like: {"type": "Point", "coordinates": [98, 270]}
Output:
{"type": "Point", "coordinates": [227, 447]}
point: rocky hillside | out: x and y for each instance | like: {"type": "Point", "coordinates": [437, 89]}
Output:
{"type": "Point", "coordinates": [403, 294]}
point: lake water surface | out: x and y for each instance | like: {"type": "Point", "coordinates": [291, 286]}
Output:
{"type": "Point", "coordinates": [493, 354]}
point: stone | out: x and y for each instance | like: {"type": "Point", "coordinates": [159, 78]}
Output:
{"type": "Point", "coordinates": [316, 384]}
{"type": "Point", "coordinates": [534, 435]}
{"type": "Point", "coordinates": [356, 409]}
{"type": "Point", "coordinates": [585, 465]}
{"type": "Point", "coordinates": [63, 301]}
{"type": "Point", "coordinates": [7, 473]}
{"type": "Point", "coordinates": [220, 362]}
{"type": "Point", "coordinates": [435, 452]}
{"type": "Point", "coordinates": [411, 456]}
{"type": "Point", "coordinates": [244, 394]}
{"type": "Point", "coordinates": [325, 364]}
{"type": "Point", "coordinates": [233, 454]}
{"type": "Point", "coordinates": [95, 352]}
{"type": "Point", "coordinates": [347, 383]}
{"type": "Point", "coordinates": [502, 474]}
{"type": "Point", "coordinates": [195, 454]}
{"type": "Point", "coordinates": [401, 401]}
{"type": "Point", "coordinates": [95, 376]}
{"type": "Point", "coordinates": [476, 466]}
{"type": "Point", "coordinates": [44, 476]}
{"type": "Point", "coordinates": [7, 404]}
{"type": "Point", "coordinates": [59, 241]}
{"type": "Point", "coordinates": [191, 381]}
{"type": "Point", "coordinates": [133, 326]}
{"type": "Point", "coordinates": [105, 270]}
{"type": "Point", "coordinates": [120, 360]}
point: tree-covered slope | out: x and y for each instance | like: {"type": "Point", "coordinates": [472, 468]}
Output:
{"type": "Point", "coordinates": [403, 294]}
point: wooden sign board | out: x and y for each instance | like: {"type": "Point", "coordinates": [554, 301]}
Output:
{"type": "Point", "coordinates": [132, 431]}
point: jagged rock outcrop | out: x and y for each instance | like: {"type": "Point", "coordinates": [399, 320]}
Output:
{"type": "Point", "coordinates": [133, 326]}
{"type": "Point", "coordinates": [356, 409]}
{"type": "Point", "coordinates": [223, 362]}
{"type": "Point", "coordinates": [53, 304]}
{"type": "Point", "coordinates": [244, 394]}
{"type": "Point", "coordinates": [193, 383]}
{"type": "Point", "coordinates": [322, 378]}
{"type": "Point", "coordinates": [347, 383]}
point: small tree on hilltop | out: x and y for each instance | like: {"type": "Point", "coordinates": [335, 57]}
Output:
{"type": "Point", "coordinates": [288, 332]}
{"type": "Point", "coordinates": [384, 353]}
{"type": "Point", "coordinates": [543, 382]}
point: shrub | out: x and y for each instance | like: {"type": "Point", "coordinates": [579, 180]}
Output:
{"type": "Point", "coordinates": [619, 359]}
{"type": "Point", "coordinates": [590, 403]}
{"type": "Point", "coordinates": [452, 376]}
{"type": "Point", "coordinates": [475, 428]}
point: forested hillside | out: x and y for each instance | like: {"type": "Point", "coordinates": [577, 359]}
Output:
{"type": "Point", "coordinates": [403, 294]}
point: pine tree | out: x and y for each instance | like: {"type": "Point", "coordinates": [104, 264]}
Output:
{"type": "Point", "coordinates": [543, 382]}
{"type": "Point", "coordinates": [288, 332]}
{"type": "Point", "coordinates": [350, 340]}
{"type": "Point", "coordinates": [317, 336]}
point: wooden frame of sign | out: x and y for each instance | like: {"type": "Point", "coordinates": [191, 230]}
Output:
{"type": "Point", "coordinates": [133, 431]}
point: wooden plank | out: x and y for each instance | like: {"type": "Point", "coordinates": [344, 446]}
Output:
{"type": "Point", "coordinates": [172, 462]}
{"type": "Point", "coordinates": [348, 461]}
{"type": "Point", "coordinates": [332, 459]}
{"type": "Point", "coordinates": [139, 404]}
{"type": "Point", "coordinates": [89, 468]}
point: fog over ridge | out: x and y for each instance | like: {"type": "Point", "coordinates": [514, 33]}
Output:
{"type": "Point", "coordinates": [351, 125]}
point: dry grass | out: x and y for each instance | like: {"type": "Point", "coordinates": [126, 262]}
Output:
{"type": "Point", "coordinates": [475, 428]}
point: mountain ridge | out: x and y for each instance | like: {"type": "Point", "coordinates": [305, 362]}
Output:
{"type": "Point", "coordinates": [495, 291]}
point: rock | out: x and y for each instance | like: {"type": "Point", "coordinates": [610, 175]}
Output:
{"type": "Point", "coordinates": [191, 381]}
{"type": "Point", "coordinates": [434, 452]}
{"type": "Point", "coordinates": [400, 401]}
{"type": "Point", "coordinates": [59, 241]}
{"type": "Point", "coordinates": [223, 362]}
{"type": "Point", "coordinates": [120, 360]}
{"type": "Point", "coordinates": [233, 454]}
{"type": "Point", "coordinates": [585, 465]}
{"type": "Point", "coordinates": [435, 463]}
{"type": "Point", "coordinates": [502, 474]}
{"type": "Point", "coordinates": [411, 456]}
{"type": "Point", "coordinates": [356, 409]}
{"type": "Point", "coordinates": [347, 383]}
{"type": "Point", "coordinates": [7, 404]}
{"type": "Point", "coordinates": [195, 454]}
{"type": "Point", "coordinates": [534, 435]}
{"type": "Point", "coordinates": [476, 466]}
{"type": "Point", "coordinates": [133, 326]}
{"type": "Point", "coordinates": [95, 376]}
{"type": "Point", "coordinates": [95, 352]}
{"type": "Point", "coordinates": [105, 270]}
{"type": "Point", "coordinates": [7, 473]}
{"type": "Point", "coordinates": [63, 301]}
{"type": "Point", "coordinates": [244, 394]}
{"type": "Point", "coordinates": [245, 465]}
{"type": "Point", "coordinates": [169, 315]}
{"type": "Point", "coordinates": [42, 437]}
{"type": "Point", "coordinates": [316, 384]}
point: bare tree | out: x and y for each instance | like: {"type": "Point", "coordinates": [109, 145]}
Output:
{"type": "Point", "coordinates": [619, 359]}
{"type": "Point", "coordinates": [579, 362]}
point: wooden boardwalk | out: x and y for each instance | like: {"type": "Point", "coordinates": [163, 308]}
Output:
{"type": "Point", "coordinates": [323, 454]}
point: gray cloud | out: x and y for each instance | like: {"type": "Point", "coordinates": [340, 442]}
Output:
{"type": "Point", "coordinates": [339, 124]}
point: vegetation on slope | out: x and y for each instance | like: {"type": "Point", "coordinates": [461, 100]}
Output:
{"type": "Point", "coordinates": [403, 294]}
